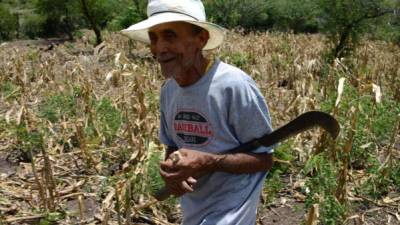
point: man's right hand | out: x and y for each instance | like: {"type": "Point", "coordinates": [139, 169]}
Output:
{"type": "Point", "coordinates": [176, 187]}
{"type": "Point", "coordinates": [179, 188]}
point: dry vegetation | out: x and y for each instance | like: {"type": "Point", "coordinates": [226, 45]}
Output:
{"type": "Point", "coordinates": [78, 131]}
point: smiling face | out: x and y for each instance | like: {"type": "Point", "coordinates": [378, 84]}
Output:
{"type": "Point", "coordinates": [177, 46]}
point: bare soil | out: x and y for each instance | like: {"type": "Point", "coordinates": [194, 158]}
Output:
{"type": "Point", "coordinates": [289, 213]}
{"type": "Point", "coordinates": [7, 168]}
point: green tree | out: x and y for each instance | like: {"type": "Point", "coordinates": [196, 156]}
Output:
{"type": "Point", "coordinates": [396, 25]}
{"type": "Point", "coordinates": [345, 21]}
{"type": "Point", "coordinates": [392, 24]}
{"type": "Point", "coordinates": [91, 18]}
{"type": "Point", "coordinates": [133, 13]}
{"type": "Point", "coordinates": [140, 8]}
{"type": "Point", "coordinates": [98, 13]}
{"type": "Point", "coordinates": [295, 15]}
{"type": "Point", "coordinates": [33, 25]}
{"type": "Point", "coordinates": [251, 14]}
{"type": "Point", "coordinates": [386, 28]}
{"type": "Point", "coordinates": [65, 16]}
{"type": "Point", "coordinates": [8, 23]}
{"type": "Point", "coordinates": [59, 16]}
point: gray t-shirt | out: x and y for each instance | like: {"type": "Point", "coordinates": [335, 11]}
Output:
{"type": "Point", "coordinates": [219, 112]}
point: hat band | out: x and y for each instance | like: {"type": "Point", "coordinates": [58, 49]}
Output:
{"type": "Point", "coordinates": [174, 12]}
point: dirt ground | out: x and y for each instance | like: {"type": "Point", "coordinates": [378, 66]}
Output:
{"type": "Point", "coordinates": [7, 169]}
{"type": "Point", "coordinates": [288, 213]}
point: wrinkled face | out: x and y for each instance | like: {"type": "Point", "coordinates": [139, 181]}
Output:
{"type": "Point", "coordinates": [178, 48]}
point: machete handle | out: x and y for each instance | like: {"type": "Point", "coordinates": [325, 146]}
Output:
{"type": "Point", "coordinates": [161, 194]}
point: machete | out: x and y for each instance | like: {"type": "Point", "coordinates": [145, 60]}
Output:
{"type": "Point", "coordinates": [301, 123]}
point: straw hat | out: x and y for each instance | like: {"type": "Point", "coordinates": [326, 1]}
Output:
{"type": "Point", "coordinates": [164, 11]}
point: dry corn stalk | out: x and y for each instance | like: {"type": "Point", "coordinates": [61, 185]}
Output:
{"type": "Point", "coordinates": [106, 206]}
{"type": "Point", "coordinates": [42, 193]}
{"type": "Point", "coordinates": [313, 215]}
{"type": "Point", "coordinates": [341, 190]}
{"type": "Point", "coordinates": [81, 209]}
{"type": "Point", "coordinates": [87, 155]}
{"type": "Point", "coordinates": [128, 205]}
{"type": "Point", "coordinates": [49, 180]}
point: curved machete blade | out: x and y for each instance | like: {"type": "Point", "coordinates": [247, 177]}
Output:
{"type": "Point", "coordinates": [304, 122]}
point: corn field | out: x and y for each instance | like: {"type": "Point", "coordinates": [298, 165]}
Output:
{"type": "Point", "coordinates": [79, 131]}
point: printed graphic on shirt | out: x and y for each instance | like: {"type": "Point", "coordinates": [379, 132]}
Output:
{"type": "Point", "coordinates": [192, 128]}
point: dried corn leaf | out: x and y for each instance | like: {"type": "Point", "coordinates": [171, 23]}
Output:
{"type": "Point", "coordinates": [340, 91]}
{"type": "Point", "coordinates": [378, 94]}
{"type": "Point", "coordinates": [313, 215]}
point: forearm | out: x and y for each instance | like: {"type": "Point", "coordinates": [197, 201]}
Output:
{"type": "Point", "coordinates": [195, 164]}
{"type": "Point", "coordinates": [241, 163]}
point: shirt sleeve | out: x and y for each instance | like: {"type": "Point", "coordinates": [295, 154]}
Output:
{"type": "Point", "coordinates": [248, 113]}
{"type": "Point", "coordinates": [164, 133]}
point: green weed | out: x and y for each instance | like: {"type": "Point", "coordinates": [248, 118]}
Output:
{"type": "Point", "coordinates": [375, 122]}
{"type": "Point", "coordinates": [27, 141]}
{"type": "Point", "coordinates": [56, 107]}
{"type": "Point", "coordinates": [154, 177]}
{"type": "Point", "coordinates": [241, 60]}
{"type": "Point", "coordinates": [321, 187]}
{"type": "Point", "coordinates": [273, 183]}
{"type": "Point", "coordinates": [381, 180]}
{"type": "Point", "coordinates": [332, 212]}
{"type": "Point", "coordinates": [283, 152]}
{"type": "Point", "coordinates": [9, 90]}
{"type": "Point", "coordinates": [52, 218]}
{"type": "Point", "coordinates": [374, 126]}
{"type": "Point", "coordinates": [153, 169]}
{"type": "Point", "coordinates": [324, 174]}
{"type": "Point", "coordinates": [152, 98]}
{"type": "Point", "coordinates": [109, 119]}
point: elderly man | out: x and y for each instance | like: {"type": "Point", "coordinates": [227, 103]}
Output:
{"type": "Point", "coordinates": [206, 108]}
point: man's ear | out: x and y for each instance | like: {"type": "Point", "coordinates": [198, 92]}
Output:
{"type": "Point", "coordinates": [203, 38]}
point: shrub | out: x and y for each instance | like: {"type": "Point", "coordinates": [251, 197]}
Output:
{"type": "Point", "coordinates": [345, 22]}
{"type": "Point", "coordinates": [295, 15]}
{"type": "Point", "coordinates": [58, 16]}
{"type": "Point", "coordinates": [8, 23]}
{"type": "Point", "coordinates": [233, 13]}
{"type": "Point", "coordinates": [127, 17]}
{"type": "Point", "coordinates": [32, 25]}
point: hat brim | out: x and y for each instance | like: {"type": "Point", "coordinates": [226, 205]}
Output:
{"type": "Point", "coordinates": [139, 31]}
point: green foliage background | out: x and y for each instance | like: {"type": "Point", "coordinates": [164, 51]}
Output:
{"type": "Point", "coordinates": [61, 18]}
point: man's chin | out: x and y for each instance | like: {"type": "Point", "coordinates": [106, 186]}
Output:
{"type": "Point", "coordinates": [166, 73]}
{"type": "Point", "coordinates": [171, 74]}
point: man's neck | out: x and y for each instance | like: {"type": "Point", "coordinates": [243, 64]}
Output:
{"type": "Point", "coordinates": [195, 73]}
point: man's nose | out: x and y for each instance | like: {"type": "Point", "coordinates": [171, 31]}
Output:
{"type": "Point", "coordinates": [161, 46]}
